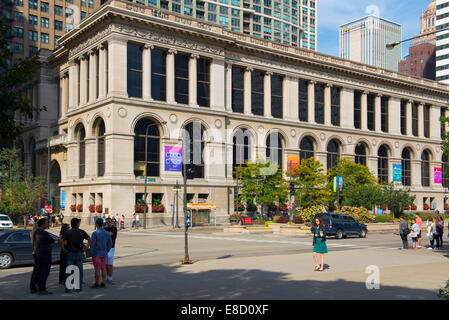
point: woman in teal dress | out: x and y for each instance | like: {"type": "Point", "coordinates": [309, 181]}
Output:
{"type": "Point", "coordinates": [319, 243]}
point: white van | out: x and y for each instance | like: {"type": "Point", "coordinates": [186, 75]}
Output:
{"type": "Point", "coordinates": [5, 222]}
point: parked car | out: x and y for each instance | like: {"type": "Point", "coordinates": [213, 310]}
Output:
{"type": "Point", "coordinates": [16, 248]}
{"type": "Point", "coordinates": [5, 222]}
{"type": "Point", "coordinates": [342, 225]}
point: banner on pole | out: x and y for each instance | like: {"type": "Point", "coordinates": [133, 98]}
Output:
{"type": "Point", "coordinates": [294, 160]}
{"type": "Point", "coordinates": [397, 172]}
{"type": "Point", "coordinates": [338, 184]}
{"type": "Point", "coordinates": [173, 158]}
{"type": "Point", "coordinates": [438, 175]}
{"type": "Point", "coordinates": [63, 200]}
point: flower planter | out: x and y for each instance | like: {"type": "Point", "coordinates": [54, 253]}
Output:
{"type": "Point", "coordinates": [92, 208]}
{"type": "Point", "coordinates": [99, 209]}
{"type": "Point", "coordinates": [157, 208]}
{"type": "Point", "coordinates": [73, 208]}
{"type": "Point", "coordinates": [79, 208]}
{"type": "Point", "coordinates": [414, 207]}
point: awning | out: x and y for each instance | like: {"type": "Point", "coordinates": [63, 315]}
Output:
{"type": "Point", "coordinates": [200, 206]}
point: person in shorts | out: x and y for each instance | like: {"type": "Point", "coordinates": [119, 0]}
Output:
{"type": "Point", "coordinates": [419, 223]}
{"type": "Point", "coordinates": [99, 248]}
{"type": "Point", "coordinates": [110, 227]}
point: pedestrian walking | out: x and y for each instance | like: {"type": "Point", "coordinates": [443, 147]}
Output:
{"type": "Point", "coordinates": [419, 223]}
{"type": "Point", "coordinates": [61, 218]}
{"type": "Point", "coordinates": [439, 226]}
{"type": "Point", "coordinates": [117, 221]}
{"type": "Point", "coordinates": [414, 233]}
{"type": "Point", "coordinates": [101, 244]}
{"type": "Point", "coordinates": [74, 245]}
{"type": "Point", "coordinates": [33, 280]}
{"type": "Point", "coordinates": [122, 222]}
{"type": "Point", "coordinates": [319, 243]}
{"type": "Point", "coordinates": [431, 232]}
{"type": "Point", "coordinates": [110, 258]}
{"type": "Point", "coordinates": [43, 242]}
{"type": "Point", "coordinates": [53, 220]}
{"type": "Point", "coordinates": [134, 221]}
{"type": "Point", "coordinates": [63, 255]}
{"type": "Point", "coordinates": [403, 232]}
{"type": "Point", "coordinates": [137, 220]}
{"type": "Point", "coordinates": [95, 221]}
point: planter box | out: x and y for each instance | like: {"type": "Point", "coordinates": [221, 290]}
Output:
{"type": "Point", "coordinates": [296, 229]}
{"type": "Point", "coordinates": [388, 226]}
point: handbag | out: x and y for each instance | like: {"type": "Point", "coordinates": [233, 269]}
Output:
{"type": "Point", "coordinates": [413, 234]}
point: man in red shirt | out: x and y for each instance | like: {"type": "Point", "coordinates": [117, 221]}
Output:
{"type": "Point", "coordinates": [419, 222]}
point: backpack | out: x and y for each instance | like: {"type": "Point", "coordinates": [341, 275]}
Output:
{"type": "Point", "coordinates": [406, 231]}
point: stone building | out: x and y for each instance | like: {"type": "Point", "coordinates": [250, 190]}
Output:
{"type": "Point", "coordinates": [130, 72]}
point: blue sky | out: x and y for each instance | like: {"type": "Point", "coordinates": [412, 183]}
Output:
{"type": "Point", "coordinates": [333, 13]}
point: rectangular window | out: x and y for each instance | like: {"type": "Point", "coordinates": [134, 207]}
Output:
{"type": "Point", "coordinates": [134, 70]}
{"type": "Point", "coordinates": [203, 82]}
{"type": "Point", "coordinates": [59, 11]}
{"type": "Point", "coordinates": [357, 109]}
{"type": "Point", "coordinates": [237, 89]}
{"type": "Point", "coordinates": [68, 27]}
{"type": "Point", "coordinates": [303, 100]}
{"type": "Point", "coordinates": [45, 38]}
{"type": "Point", "coordinates": [319, 103]}
{"type": "Point", "coordinates": [33, 4]}
{"type": "Point", "coordinates": [90, 4]}
{"type": "Point", "coordinates": [371, 110]}
{"type": "Point", "coordinates": [57, 44]}
{"type": "Point", "coordinates": [182, 78]}
{"type": "Point", "coordinates": [427, 121]}
{"type": "Point", "coordinates": [176, 8]}
{"type": "Point", "coordinates": [58, 25]}
{"type": "Point", "coordinates": [45, 23]}
{"type": "Point", "coordinates": [32, 35]}
{"type": "Point", "coordinates": [18, 32]}
{"type": "Point", "coordinates": [32, 20]}
{"type": "Point", "coordinates": [32, 50]}
{"type": "Point", "coordinates": [45, 7]}
{"type": "Point", "coordinates": [384, 113]}
{"type": "Point", "coordinates": [415, 118]}
{"type": "Point", "coordinates": [404, 117]}
{"type": "Point", "coordinates": [212, 17]}
{"type": "Point", "coordinates": [335, 106]}
{"type": "Point", "coordinates": [18, 48]}
{"type": "Point", "coordinates": [276, 96]}
{"type": "Point", "coordinates": [257, 92]}
{"type": "Point", "coordinates": [158, 74]}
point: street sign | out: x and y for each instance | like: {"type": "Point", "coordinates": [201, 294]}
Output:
{"type": "Point", "coordinates": [48, 209]}
{"type": "Point", "coordinates": [289, 205]}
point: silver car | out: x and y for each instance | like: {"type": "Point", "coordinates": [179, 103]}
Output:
{"type": "Point", "coordinates": [5, 222]}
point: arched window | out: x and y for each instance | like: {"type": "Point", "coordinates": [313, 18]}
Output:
{"type": "Point", "coordinates": [146, 129]}
{"type": "Point", "coordinates": [80, 139]}
{"type": "Point", "coordinates": [274, 152]}
{"type": "Point", "coordinates": [193, 148]}
{"type": "Point", "coordinates": [100, 131]}
{"type": "Point", "coordinates": [360, 154]}
{"type": "Point", "coordinates": [240, 148]}
{"type": "Point", "coordinates": [306, 149]}
{"type": "Point", "coordinates": [406, 167]}
{"type": "Point", "coordinates": [445, 165]}
{"type": "Point", "coordinates": [425, 168]}
{"type": "Point", "coordinates": [382, 164]}
{"type": "Point", "coordinates": [333, 153]}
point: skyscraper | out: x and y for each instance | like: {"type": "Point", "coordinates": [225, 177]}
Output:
{"type": "Point", "coordinates": [364, 41]}
{"type": "Point", "coordinates": [442, 54]}
{"type": "Point", "coordinates": [291, 22]}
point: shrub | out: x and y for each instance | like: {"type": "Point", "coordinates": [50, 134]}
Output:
{"type": "Point", "coordinates": [307, 214]}
{"type": "Point", "coordinates": [291, 223]}
{"type": "Point", "coordinates": [283, 219]}
{"type": "Point", "coordinates": [384, 218]}
{"type": "Point", "coordinates": [276, 219]}
{"type": "Point", "coordinates": [267, 223]}
{"type": "Point", "coordinates": [286, 219]}
{"type": "Point", "coordinates": [360, 214]}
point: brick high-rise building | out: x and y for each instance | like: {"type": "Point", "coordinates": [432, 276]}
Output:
{"type": "Point", "coordinates": [421, 61]}
{"type": "Point", "coordinates": [37, 24]}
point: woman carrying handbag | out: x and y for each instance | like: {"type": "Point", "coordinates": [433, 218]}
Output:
{"type": "Point", "coordinates": [319, 243]}
{"type": "Point", "coordinates": [414, 233]}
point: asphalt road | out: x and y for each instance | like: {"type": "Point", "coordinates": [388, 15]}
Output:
{"type": "Point", "coordinates": [254, 266]}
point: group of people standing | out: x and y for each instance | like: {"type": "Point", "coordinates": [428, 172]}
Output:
{"type": "Point", "coordinates": [74, 243]}
{"type": "Point", "coordinates": [435, 231]}
{"type": "Point", "coordinates": [118, 222]}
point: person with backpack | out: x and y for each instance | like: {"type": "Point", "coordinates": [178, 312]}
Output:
{"type": "Point", "coordinates": [439, 227]}
{"type": "Point", "coordinates": [403, 232]}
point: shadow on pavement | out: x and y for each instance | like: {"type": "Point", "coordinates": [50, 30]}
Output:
{"type": "Point", "coordinates": [175, 283]}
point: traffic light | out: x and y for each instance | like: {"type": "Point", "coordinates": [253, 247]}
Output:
{"type": "Point", "coordinates": [236, 191]}
{"type": "Point", "coordinates": [190, 171]}
{"type": "Point", "coordinates": [188, 220]}
{"type": "Point", "coordinates": [292, 189]}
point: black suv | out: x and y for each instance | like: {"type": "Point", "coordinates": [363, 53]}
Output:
{"type": "Point", "coordinates": [341, 225]}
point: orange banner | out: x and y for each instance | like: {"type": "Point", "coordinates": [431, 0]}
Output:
{"type": "Point", "coordinates": [294, 160]}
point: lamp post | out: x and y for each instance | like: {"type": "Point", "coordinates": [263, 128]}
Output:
{"type": "Point", "coordinates": [390, 46]}
{"type": "Point", "coordinates": [146, 173]}
{"type": "Point", "coordinates": [176, 188]}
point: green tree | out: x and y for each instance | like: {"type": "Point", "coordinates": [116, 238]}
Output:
{"type": "Point", "coordinates": [12, 77]}
{"type": "Point", "coordinates": [366, 195]}
{"type": "Point", "coordinates": [261, 183]}
{"type": "Point", "coordinates": [396, 199]}
{"type": "Point", "coordinates": [310, 183]}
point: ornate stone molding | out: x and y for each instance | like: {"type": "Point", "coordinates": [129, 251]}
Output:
{"type": "Point", "coordinates": [92, 40]}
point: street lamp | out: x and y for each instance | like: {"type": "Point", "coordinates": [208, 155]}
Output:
{"type": "Point", "coordinates": [146, 173]}
{"type": "Point", "coordinates": [390, 46]}
{"type": "Point", "coordinates": [176, 188]}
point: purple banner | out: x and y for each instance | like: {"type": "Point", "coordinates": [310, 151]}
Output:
{"type": "Point", "coordinates": [438, 175]}
{"type": "Point", "coordinates": [173, 158]}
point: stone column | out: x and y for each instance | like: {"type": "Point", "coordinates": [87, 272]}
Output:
{"type": "Point", "coordinates": [290, 96]}
{"type": "Point", "coordinates": [228, 84]}
{"type": "Point", "coordinates": [347, 108]}
{"type": "Point", "coordinates": [102, 71]}
{"type": "Point", "coordinates": [73, 84]}
{"type": "Point", "coordinates": [171, 76]}
{"type": "Point", "coordinates": [311, 101]}
{"type": "Point", "coordinates": [146, 72]}
{"type": "Point", "coordinates": [364, 111]}
{"type": "Point", "coordinates": [91, 157]}
{"type": "Point", "coordinates": [421, 120]}
{"type": "Point", "coordinates": [327, 105]}
{"type": "Point", "coordinates": [247, 91]}
{"type": "Point", "coordinates": [394, 116]}
{"type": "Point", "coordinates": [84, 73]}
{"type": "Point", "coordinates": [409, 118]}
{"type": "Point", "coordinates": [117, 67]}
{"type": "Point", "coordinates": [61, 96]}
{"type": "Point", "coordinates": [416, 173]}
{"type": "Point", "coordinates": [267, 94]}
{"type": "Point", "coordinates": [193, 102]}
{"type": "Point", "coordinates": [93, 76]}
{"type": "Point", "coordinates": [218, 85]}
{"type": "Point", "coordinates": [434, 117]}
{"type": "Point", "coordinates": [377, 113]}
